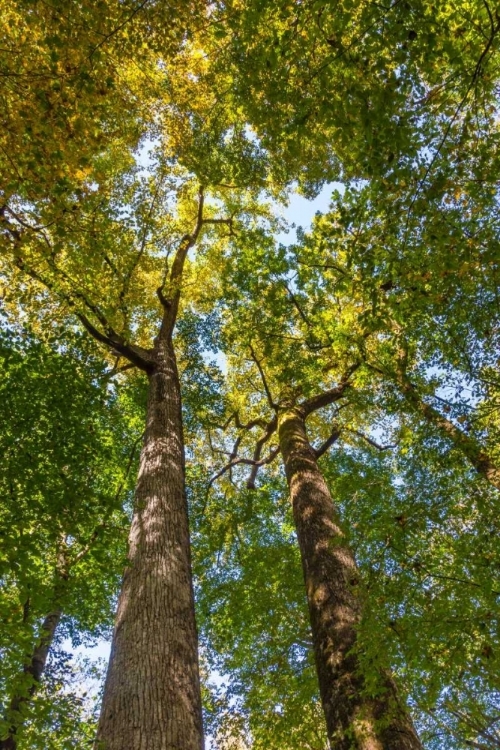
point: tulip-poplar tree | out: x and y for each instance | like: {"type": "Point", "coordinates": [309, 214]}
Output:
{"type": "Point", "coordinates": [225, 95]}
{"type": "Point", "coordinates": [315, 324]}
{"type": "Point", "coordinates": [137, 243]}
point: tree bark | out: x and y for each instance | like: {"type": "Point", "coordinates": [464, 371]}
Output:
{"type": "Point", "coordinates": [152, 695]}
{"type": "Point", "coordinates": [32, 674]}
{"type": "Point", "coordinates": [353, 719]}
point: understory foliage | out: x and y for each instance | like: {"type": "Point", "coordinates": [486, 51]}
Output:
{"type": "Point", "coordinates": [136, 133]}
{"type": "Point", "coordinates": [69, 448]}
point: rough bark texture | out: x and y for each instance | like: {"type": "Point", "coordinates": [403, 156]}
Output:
{"type": "Point", "coordinates": [152, 694]}
{"type": "Point", "coordinates": [330, 574]}
{"type": "Point", "coordinates": [33, 672]}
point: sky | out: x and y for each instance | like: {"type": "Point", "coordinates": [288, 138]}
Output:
{"type": "Point", "coordinates": [300, 211]}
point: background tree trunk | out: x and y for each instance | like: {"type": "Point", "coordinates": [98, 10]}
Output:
{"type": "Point", "coordinates": [353, 720]}
{"type": "Point", "coordinates": [34, 670]}
{"type": "Point", "coordinates": [152, 695]}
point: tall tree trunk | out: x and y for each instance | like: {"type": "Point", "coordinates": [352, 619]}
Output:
{"type": "Point", "coordinates": [32, 674]}
{"type": "Point", "coordinates": [152, 695]}
{"type": "Point", "coordinates": [353, 720]}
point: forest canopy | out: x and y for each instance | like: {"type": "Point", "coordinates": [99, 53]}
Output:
{"type": "Point", "coordinates": [261, 461]}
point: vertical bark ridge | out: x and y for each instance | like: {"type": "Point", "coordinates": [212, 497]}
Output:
{"type": "Point", "coordinates": [152, 697]}
{"type": "Point", "coordinates": [330, 574]}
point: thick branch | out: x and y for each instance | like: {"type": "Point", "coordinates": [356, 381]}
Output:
{"type": "Point", "coordinates": [328, 442]}
{"type": "Point", "coordinates": [473, 451]}
{"type": "Point", "coordinates": [170, 300]}
{"type": "Point", "coordinates": [259, 422]}
{"type": "Point", "coordinates": [249, 425]}
{"type": "Point", "coordinates": [328, 397]}
{"type": "Point", "coordinates": [227, 222]}
{"type": "Point", "coordinates": [135, 354]}
{"type": "Point", "coordinates": [479, 459]}
{"type": "Point", "coordinates": [163, 300]}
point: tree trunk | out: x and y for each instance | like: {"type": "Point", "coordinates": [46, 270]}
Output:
{"type": "Point", "coordinates": [353, 720]}
{"type": "Point", "coordinates": [152, 695]}
{"type": "Point", "coordinates": [32, 674]}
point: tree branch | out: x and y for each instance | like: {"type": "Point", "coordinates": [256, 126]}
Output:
{"type": "Point", "coordinates": [228, 222]}
{"type": "Point", "coordinates": [297, 306]}
{"type": "Point", "coordinates": [164, 301]}
{"type": "Point", "coordinates": [270, 400]}
{"type": "Point", "coordinates": [259, 422]}
{"type": "Point", "coordinates": [170, 301]}
{"type": "Point", "coordinates": [467, 444]}
{"type": "Point", "coordinates": [135, 354]}
{"type": "Point", "coordinates": [245, 461]}
{"type": "Point", "coordinates": [372, 442]}
{"type": "Point", "coordinates": [271, 428]}
{"type": "Point", "coordinates": [328, 442]}
{"type": "Point", "coordinates": [328, 397]}
{"type": "Point", "coordinates": [117, 370]}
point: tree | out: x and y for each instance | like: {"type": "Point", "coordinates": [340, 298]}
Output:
{"type": "Point", "coordinates": [422, 528]}
{"type": "Point", "coordinates": [331, 577]}
{"type": "Point", "coordinates": [157, 585]}
{"type": "Point", "coordinates": [68, 445]}
{"type": "Point", "coordinates": [352, 713]}
{"type": "Point", "coordinates": [133, 257]}
{"type": "Point", "coordinates": [58, 250]}
{"type": "Point", "coordinates": [316, 313]}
